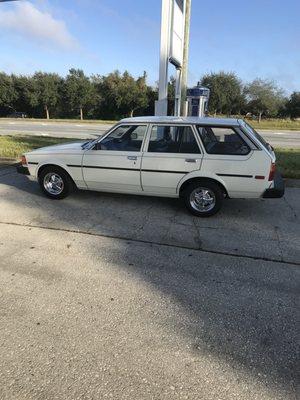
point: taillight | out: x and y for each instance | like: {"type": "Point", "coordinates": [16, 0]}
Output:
{"type": "Point", "coordinates": [23, 160]}
{"type": "Point", "coordinates": [272, 172]}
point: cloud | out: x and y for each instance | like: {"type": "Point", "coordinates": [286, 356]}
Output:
{"type": "Point", "coordinates": [42, 27]}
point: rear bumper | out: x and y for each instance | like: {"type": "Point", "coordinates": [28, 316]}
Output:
{"type": "Point", "coordinates": [277, 191]}
{"type": "Point", "coordinates": [21, 169]}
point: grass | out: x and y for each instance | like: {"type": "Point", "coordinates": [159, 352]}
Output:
{"type": "Point", "coordinates": [284, 124]}
{"type": "Point", "coordinates": [288, 160]}
{"type": "Point", "coordinates": [15, 146]}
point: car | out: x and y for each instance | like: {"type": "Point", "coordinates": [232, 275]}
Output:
{"type": "Point", "coordinates": [200, 160]}
{"type": "Point", "coordinates": [17, 114]}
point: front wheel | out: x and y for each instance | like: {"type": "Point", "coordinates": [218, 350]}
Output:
{"type": "Point", "coordinates": [55, 182]}
{"type": "Point", "coordinates": [203, 199]}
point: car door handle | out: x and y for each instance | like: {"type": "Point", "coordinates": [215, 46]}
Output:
{"type": "Point", "coordinates": [190, 160]}
{"type": "Point", "coordinates": [133, 158]}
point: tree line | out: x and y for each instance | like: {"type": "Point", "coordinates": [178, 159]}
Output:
{"type": "Point", "coordinates": [116, 95]}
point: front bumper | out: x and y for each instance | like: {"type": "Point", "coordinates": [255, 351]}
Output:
{"type": "Point", "coordinates": [277, 191]}
{"type": "Point", "coordinates": [21, 169]}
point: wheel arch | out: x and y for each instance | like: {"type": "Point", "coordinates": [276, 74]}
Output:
{"type": "Point", "coordinates": [46, 165]}
{"type": "Point", "coordinates": [184, 184]}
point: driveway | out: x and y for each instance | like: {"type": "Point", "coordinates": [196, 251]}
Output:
{"type": "Point", "coordinates": [127, 297]}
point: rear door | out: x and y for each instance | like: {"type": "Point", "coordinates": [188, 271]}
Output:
{"type": "Point", "coordinates": [171, 152]}
{"type": "Point", "coordinates": [114, 163]}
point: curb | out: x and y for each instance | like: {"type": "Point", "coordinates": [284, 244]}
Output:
{"type": "Point", "coordinates": [293, 183]}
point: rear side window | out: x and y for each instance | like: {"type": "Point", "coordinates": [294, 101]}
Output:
{"type": "Point", "coordinates": [173, 139]}
{"type": "Point", "coordinates": [219, 140]}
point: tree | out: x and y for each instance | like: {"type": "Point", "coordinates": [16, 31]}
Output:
{"type": "Point", "coordinates": [264, 98]}
{"type": "Point", "coordinates": [26, 98]}
{"type": "Point", "coordinates": [121, 94]}
{"type": "Point", "coordinates": [293, 105]}
{"type": "Point", "coordinates": [226, 93]}
{"type": "Point", "coordinates": [7, 93]}
{"type": "Point", "coordinates": [79, 91]}
{"type": "Point", "coordinates": [47, 87]}
{"type": "Point", "coordinates": [133, 93]}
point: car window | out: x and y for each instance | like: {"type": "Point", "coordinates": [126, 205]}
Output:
{"type": "Point", "coordinates": [172, 139]}
{"type": "Point", "coordinates": [219, 140]}
{"type": "Point", "coordinates": [125, 138]}
{"type": "Point", "coordinates": [257, 136]}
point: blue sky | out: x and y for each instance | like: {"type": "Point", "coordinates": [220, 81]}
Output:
{"type": "Point", "coordinates": [257, 38]}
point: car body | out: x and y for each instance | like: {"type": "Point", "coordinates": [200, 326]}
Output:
{"type": "Point", "coordinates": [165, 156]}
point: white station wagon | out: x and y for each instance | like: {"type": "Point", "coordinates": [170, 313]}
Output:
{"type": "Point", "coordinates": [201, 160]}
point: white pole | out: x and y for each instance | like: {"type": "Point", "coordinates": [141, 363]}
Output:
{"type": "Point", "coordinates": [161, 106]}
{"type": "Point", "coordinates": [178, 92]}
{"type": "Point", "coordinates": [187, 18]}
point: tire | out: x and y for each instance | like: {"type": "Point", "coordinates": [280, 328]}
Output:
{"type": "Point", "coordinates": [203, 198]}
{"type": "Point", "coordinates": [55, 182]}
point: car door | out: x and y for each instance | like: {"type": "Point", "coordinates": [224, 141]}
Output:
{"type": "Point", "coordinates": [171, 152]}
{"type": "Point", "coordinates": [113, 164]}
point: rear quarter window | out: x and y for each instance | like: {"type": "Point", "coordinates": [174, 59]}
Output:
{"type": "Point", "coordinates": [222, 140]}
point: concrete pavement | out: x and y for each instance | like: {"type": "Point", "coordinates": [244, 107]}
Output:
{"type": "Point", "coordinates": [126, 297]}
{"type": "Point", "coordinates": [88, 130]}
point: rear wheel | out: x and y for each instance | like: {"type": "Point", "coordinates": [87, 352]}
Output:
{"type": "Point", "coordinates": [203, 198]}
{"type": "Point", "coordinates": [55, 182]}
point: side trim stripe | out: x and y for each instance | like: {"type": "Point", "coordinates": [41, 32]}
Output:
{"type": "Point", "coordinates": [166, 172]}
{"type": "Point", "coordinates": [128, 169]}
{"type": "Point", "coordinates": [236, 175]}
{"type": "Point", "coordinates": [32, 163]}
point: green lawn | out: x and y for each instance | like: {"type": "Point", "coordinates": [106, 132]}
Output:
{"type": "Point", "coordinates": [288, 160]}
{"type": "Point", "coordinates": [15, 146]}
{"type": "Point", "coordinates": [284, 124]}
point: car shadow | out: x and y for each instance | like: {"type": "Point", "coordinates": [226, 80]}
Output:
{"type": "Point", "coordinates": [243, 311]}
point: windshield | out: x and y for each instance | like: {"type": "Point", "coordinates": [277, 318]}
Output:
{"type": "Point", "coordinates": [253, 132]}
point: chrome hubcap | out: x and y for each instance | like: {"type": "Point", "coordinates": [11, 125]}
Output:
{"type": "Point", "coordinates": [53, 183]}
{"type": "Point", "coordinates": [202, 199]}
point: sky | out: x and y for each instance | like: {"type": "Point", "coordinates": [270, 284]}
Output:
{"type": "Point", "coordinates": [257, 38]}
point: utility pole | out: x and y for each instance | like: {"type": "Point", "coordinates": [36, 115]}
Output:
{"type": "Point", "coordinates": [171, 51]}
{"type": "Point", "coordinates": [184, 70]}
{"type": "Point", "coordinates": [161, 106]}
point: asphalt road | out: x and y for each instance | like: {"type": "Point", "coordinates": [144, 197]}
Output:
{"type": "Point", "coordinates": [87, 130]}
{"type": "Point", "coordinates": [125, 297]}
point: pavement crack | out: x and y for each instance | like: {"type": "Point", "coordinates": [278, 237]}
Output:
{"type": "Point", "coordinates": [197, 238]}
{"type": "Point", "coordinates": [290, 207]}
{"type": "Point", "coordinates": [276, 229]}
{"type": "Point", "coordinates": [120, 237]}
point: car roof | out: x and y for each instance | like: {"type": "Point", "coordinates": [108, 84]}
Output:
{"type": "Point", "coordinates": [184, 120]}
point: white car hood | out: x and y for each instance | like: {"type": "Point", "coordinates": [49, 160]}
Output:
{"type": "Point", "coordinates": [61, 148]}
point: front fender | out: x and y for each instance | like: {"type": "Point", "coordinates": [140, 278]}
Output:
{"type": "Point", "coordinates": [58, 163]}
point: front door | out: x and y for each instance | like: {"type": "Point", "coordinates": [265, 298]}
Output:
{"type": "Point", "coordinates": [114, 163]}
{"type": "Point", "coordinates": [172, 152]}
